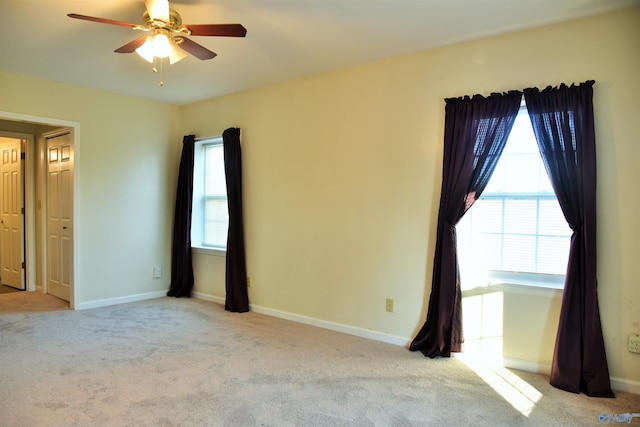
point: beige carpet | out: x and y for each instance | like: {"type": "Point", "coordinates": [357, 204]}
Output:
{"type": "Point", "coordinates": [187, 362]}
{"type": "Point", "coordinates": [4, 289]}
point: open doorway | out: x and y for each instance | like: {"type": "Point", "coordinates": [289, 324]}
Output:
{"type": "Point", "coordinates": [13, 148]}
{"type": "Point", "coordinates": [47, 144]}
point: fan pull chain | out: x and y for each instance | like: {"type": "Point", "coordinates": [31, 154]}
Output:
{"type": "Point", "coordinates": [155, 69]}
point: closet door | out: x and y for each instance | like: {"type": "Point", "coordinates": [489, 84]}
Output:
{"type": "Point", "coordinates": [59, 215]}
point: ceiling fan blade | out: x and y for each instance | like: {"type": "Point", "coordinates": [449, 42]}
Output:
{"type": "Point", "coordinates": [132, 45]}
{"type": "Point", "coordinates": [158, 9]}
{"type": "Point", "coordinates": [225, 30]}
{"type": "Point", "coordinates": [102, 20]}
{"type": "Point", "coordinates": [196, 49]}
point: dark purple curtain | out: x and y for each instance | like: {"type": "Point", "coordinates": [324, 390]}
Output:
{"type": "Point", "coordinates": [562, 120]}
{"type": "Point", "coordinates": [181, 265]}
{"type": "Point", "coordinates": [475, 133]}
{"type": "Point", "coordinates": [237, 299]}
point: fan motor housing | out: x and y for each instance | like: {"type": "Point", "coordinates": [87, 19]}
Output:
{"type": "Point", "coordinates": [175, 21]}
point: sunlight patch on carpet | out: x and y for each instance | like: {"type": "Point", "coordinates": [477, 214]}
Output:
{"type": "Point", "coordinates": [517, 392]}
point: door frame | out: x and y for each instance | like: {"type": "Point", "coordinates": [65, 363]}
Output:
{"type": "Point", "coordinates": [32, 212]}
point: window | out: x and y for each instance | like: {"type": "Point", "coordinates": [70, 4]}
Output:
{"type": "Point", "coordinates": [210, 215]}
{"type": "Point", "coordinates": [516, 232]}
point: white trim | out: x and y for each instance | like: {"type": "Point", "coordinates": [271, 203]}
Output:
{"type": "Point", "coordinates": [208, 297]}
{"type": "Point", "coordinates": [332, 326]}
{"type": "Point", "coordinates": [198, 200]}
{"type": "Point", "coordinates": [551, 281]}
{"type": "Point", "coordinates": [533, 290]}
{"type": "Point", "coordinates": [31, 212]}
{"type": "Point", "coordinates": [209, 138]}
{"type": "Point", "coordinates": [536, 291]}
{"type": "Point", "coordinates": [120, 300]}
{"type": "Point", "coordinates": [508, 362]}
{"type": "Point", "coordinates": [618, 384]}
{"type": "Point", "coordinates": [75, 130]}
{"type": "Point", "coordinates": [209, 251]}
{"type": "Point", "coordinates": [526, 365]}
{"type": "Point", "coordinates": [624, 385]}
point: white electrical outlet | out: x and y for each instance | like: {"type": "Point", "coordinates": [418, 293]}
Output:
{"type": "Point", "coordinates": [157, 272]}
{"type": "Point", "coordinates": [634, 343]}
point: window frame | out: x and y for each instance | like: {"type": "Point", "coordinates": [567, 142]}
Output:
{"type": "Point", "coordinates": [199, 197]}
{"type": "Point", "coordinates": [521, 278]}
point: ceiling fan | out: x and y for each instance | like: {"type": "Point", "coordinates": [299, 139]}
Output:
{"type": "Point", "coordinates": [166, 35]}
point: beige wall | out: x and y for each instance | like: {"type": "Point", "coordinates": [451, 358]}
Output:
{"type": "Point", "coordinates": [342, 179]}
{"type": "Point", "coordinates": [127, 166]}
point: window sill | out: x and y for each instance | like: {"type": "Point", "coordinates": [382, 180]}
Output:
{"type": "Point", "coordinates": [209, 251]}
{"type": "Point", "coordinates": [547, 281]}
{"type": "Point", "coordinates": [511, 288]}
{"type": "Point", "coordinates": [543, 285]}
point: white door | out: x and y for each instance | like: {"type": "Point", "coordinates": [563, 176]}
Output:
{"type": "Point", "coordinates": [59, 215]}
{"type": "Point", "coordinates": [11, 213]}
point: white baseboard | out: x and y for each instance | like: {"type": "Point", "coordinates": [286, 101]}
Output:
{"type": "Point", "coordinates": [526, 365]}
{"type": "Point", "coordinates": [617, 384]}
{"type": "Point", "coordinates": [119, 300]}
{"type": "Point", "coordinates": [624, 385]}
{"type": "Point", "coordinates": [207, 297]}
{"type": "Point", "coordinates": [338, 327]}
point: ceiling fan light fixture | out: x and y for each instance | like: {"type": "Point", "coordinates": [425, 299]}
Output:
{"type": "Point", "coordinates": [161, 46]}
{"type": "Point", "coordinates": [176, 54]}
{"type": "Point", "coordinates": [167, 35]}
{"type": "Point", "coordinates": [146, 51]}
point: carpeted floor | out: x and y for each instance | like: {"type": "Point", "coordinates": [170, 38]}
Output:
{"type": "Point", "coordinates": [187, 362]}
{"type": "Point", "coordinates": [4, 289]}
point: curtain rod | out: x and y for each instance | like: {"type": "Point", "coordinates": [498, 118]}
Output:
{"type": "Point", "coordinates": [515, 91]}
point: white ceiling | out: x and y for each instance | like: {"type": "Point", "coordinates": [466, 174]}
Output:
{"type": "Point", "coordinates": [285, 38]}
